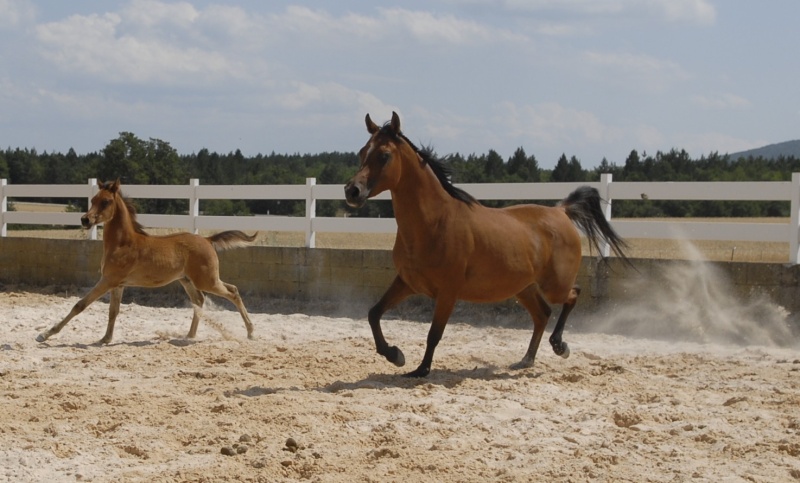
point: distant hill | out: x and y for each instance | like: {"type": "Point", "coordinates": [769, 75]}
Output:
{"type": "Point", "coordinates": [771, 151]}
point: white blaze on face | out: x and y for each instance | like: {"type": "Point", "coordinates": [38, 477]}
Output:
{"type": "Point", "coordinates": [369, 150]}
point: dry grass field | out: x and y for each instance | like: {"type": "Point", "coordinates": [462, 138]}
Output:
{"type": "Point", "coordinates": [739, 251]}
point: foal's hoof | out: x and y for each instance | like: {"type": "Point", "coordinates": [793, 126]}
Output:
{"type": "Point", "coordinates": [396, 357]}
{"type": "Point", "coordinates": [562, 351]}
{"type": "Point", "coordinates": [41, 337]}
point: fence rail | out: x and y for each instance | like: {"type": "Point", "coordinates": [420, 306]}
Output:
{"type": "Point", "coordinates": [311, 192]}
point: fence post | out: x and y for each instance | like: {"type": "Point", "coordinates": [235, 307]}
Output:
{"type": "Point", "coordinates": [3, 207]}
{"type": "Point", "coordinates": [93, 189]}
{"type": "Point", "coordinates": [194, 204]}
{"type": "Point", "coordinates": [311, 213]}
{"type": "Point", "coordinates": [605, 193]}
{"type": "Point", "coordinates": [794, 225]}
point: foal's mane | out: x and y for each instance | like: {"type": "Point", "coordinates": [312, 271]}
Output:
{"type": "Point", "coordinates": [441, 170]}
{"type": "Point", "coordinates": [137, 227]}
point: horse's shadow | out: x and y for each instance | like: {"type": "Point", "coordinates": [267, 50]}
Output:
{"type": "Point", "coordinates": [440, 377]}
{"type": "Point", "coordinates": [377, 381]}
{"type": "Point", "coordinates": [137, 343]}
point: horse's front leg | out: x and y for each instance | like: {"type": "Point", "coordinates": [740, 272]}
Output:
{"type": "Point", "coordinates": [441, 314]}
{"type": "Point", "coordinates": [113, 311]}
{"type": "Point", "coordinates": [97, 291]}
{"type": "Point", "coordinates": [396, 293]}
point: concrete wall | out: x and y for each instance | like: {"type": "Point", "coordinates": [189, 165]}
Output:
{"type": "Point", "coordinates": [353, 280]}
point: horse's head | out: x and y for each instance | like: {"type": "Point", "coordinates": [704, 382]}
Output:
{"type": "Point", "coordinates": [382, 160]}
{"type": "Point", "coordinates": [103, 205]}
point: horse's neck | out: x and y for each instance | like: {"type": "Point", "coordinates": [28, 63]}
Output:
{"type": "Point", "coordinates": [420, 202]}
{"type": "Point", "coordinates": [119, 229]}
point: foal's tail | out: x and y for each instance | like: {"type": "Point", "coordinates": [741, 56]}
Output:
{"type": "Point", "coordinates": [583, 208]}
{"type": "Point", "coordinates": [231, 239]}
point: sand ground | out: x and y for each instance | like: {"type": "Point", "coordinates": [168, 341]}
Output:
{"type": "Point", "coordinates": [309, 399]}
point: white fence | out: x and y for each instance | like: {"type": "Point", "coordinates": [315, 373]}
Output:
{"type": "Point", "coordinates": [311, 192]}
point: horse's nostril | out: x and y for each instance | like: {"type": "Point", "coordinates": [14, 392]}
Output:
{"type": "Point", "coordinates": [351, 192]}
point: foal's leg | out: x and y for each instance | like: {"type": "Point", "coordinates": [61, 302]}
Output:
{"type": "Point", "coordinates": [198, 300]}
{"type": "Point", "coordinates": [95, 293]}
{"type": "Point", "coordinates": [532, 300]}
{"type": "Point", "coordinates": [441, 314]}
{"type": "Point", "coordinates": [113, 311]}
{"type": "Point", "coordinates": [231, 293]}
{"type": "Point", "coordinates": [559, 346]}
{"type": "Point", "coordinates": [396, 293]}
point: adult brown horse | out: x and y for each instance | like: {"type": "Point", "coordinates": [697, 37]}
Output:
{"type": "Point", "coordinates": [133, 258]}
{"type": "Point", "coordinates": [450, 247]}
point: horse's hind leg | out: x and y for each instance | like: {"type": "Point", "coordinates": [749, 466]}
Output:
{"type": "Point", "coordinates": [198, 300]}
{"type": "Point", "coordinates": [532, 300]}
{"type": "Point", "coordinates": [94, 294]}
{"type": "Point", "coordinates": [113, 311]}
{"type": "Point", "coordinates": [231, 293]}
{"type": "Point", "coordinates": [559, 346]}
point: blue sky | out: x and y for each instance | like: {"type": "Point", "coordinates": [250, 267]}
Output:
{"type": "Point", "coordinates": [590, 78]}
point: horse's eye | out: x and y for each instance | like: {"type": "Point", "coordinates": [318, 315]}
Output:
{"type": "Point", "coordinates": [105, 203]}
{"type": "Point", "coordinates": [385, 157]}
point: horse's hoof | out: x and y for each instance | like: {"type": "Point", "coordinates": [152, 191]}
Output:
{"type": "Point", "coordinates": [418, 372]}
{"type": "Point", "coordinates": [523, 364]}
{"type": "Point", "coordinates": [41, 338]}
{"type": "Point", "coordinates": [396, 356]}
{"type": "Point", "coordinates": [564, 350]}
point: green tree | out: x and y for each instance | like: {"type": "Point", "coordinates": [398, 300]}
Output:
{"type": "Point", "coordinates": [494, 169]}
{"type": "Point", "coordinates": [3, 166]}
{"type": "Point", "coordinates": [568, 170]}
{"type": "Point", "coordinates": [522, 167]}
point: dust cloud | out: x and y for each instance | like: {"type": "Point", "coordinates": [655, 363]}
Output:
{"type": "Point", "coordinates": [696, 302]}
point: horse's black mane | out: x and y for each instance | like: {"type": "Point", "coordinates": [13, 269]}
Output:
{"type": "Point", "coordinates": [137, 227]}
{"type": "Point", "coordinates": [439, 168]}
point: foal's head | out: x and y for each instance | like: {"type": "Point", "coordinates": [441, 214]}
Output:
{"type": "Point", "coordinates": [103, 206]}
{"type": "Point", "coordinates": [382, 160]}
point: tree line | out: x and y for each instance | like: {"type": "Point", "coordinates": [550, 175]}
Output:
{"type": "Point", "coordinates": [153, 161]}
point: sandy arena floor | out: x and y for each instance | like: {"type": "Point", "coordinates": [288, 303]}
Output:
{"type": "Point", "coordinates": [309, 399]}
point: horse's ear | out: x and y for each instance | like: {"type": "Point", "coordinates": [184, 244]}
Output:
{"type": "Point", "coordinates": [395, 123]}
{"type": "Point", "coordinates": [372, 128]}
{"type": "Point", "coordinates": [114, 188]}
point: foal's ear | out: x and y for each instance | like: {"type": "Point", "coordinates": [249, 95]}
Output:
{"type": "Point", "coordinates": [395, 123]}
{"type": "Point", "coordinates": [372, 128]}
{"type": "Point", "coordinates": [114, 187]}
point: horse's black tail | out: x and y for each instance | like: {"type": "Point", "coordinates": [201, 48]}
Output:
{"type": "Point", "coordinates": [583, 208]}
{"type": "Point", "coordinates": [231, 239]}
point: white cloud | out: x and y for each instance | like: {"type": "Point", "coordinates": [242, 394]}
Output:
{"type": "Point", "coordinates": [97, 45]}
{"type": "Point", "coordinates": [152, 13]}
{"type": "Point", "coordinates": [553, 124]}
{"type": "Point", "coordinates": [430, 28]}
{"type": "Point", "coordinates": [721, 101]}
{"type": "Point", "coordinates": [16, 12]}
{"type": "Point", "coordinates": [643, 71]}
{"type": "Point", "coordinates": [698, 144]}
{"type": "Point", "coordinates": [693, 11]}
{"type": "Point", "coordinates": [319, 96]}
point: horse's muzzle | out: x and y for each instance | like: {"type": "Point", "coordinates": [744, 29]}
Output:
{"type": "Point", "coordinates": [85, 222]}
{"type": "Point", "coordinates": [355, 194]}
